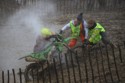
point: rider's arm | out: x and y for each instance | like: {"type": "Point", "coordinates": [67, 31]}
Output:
{"type": "Point", "coordinates": [67, 26]}
{"type": "Point", "coordinates": [86, 29]}
{"type": "Point", "coordinates": [38, 43]}
{"type": "Point", "coordinates": [38, 40]}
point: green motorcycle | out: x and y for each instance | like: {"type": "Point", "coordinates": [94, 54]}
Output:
{"type": "Point", "coordinates": [45, 59]}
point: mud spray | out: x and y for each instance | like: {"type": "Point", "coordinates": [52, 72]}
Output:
{"type": "Point", "coordinates": [18, 36]}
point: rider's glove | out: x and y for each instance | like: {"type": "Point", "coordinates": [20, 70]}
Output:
{"type": "Point", "coordinates": [47, 38]}
{"type": "Point", "coordinates": [60, 32]}
{"type": "Point", "coordinates": [86, 42]}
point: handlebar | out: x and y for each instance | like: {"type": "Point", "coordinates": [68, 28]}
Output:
{"type": "Point", "coordinates": [58, 37]}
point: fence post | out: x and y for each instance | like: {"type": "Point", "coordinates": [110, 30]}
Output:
{"type": "Point", "coordinates": [108, 62]}
{"type": "Point", "coordinates": [61, 68]}
{"type": "Point", "coordinates": [20, 73]}
{"type": "Point", "coordinates": [96, 54]}
{"type": "Point", "coordinates": [73, 66]}
{"type": "Point", "coordinates": [57, 79]}
{"type": "Point", "coordinates": [120, 53]}
{"type": "Point", "coordinates": [2, 76]}
{"type": "Point", "coordinates": [78, 67]}
{"type": "Point", "coordinates": [67, 68]}
{"type": "Point", "coordinates": [49, 72]}
{"type": "Point", "coordinates": [86, 71]}
{"type": "Point", "coordinates": [43, 80]}
{"type": "Point", "coordinates": [8, 81]}
{"type": "Point", "coordinates": [115, 63]}
{"type": "Point", "coordinates": [37, 76]}
{"type": "Point", "coordinates": [124, 43]}
{"type": "Point", "coordinates": [90, 61]}
{"type": "Point", "coordinates": [14, 75]}
{"type": "Point", "coordinates": [102, 63]}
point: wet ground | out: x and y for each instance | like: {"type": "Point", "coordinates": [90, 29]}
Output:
{"type": "Point", "coordinates": [16, 40]}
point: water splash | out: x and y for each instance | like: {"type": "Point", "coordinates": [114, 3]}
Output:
{"type": "Point", "coordinates": [18, 36]}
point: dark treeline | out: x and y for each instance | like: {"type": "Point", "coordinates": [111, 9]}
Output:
{"type": "Point", "coordinates": [68, 6]}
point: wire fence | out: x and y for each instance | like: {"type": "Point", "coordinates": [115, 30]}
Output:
{"type": "Point", "coordinates": [101, 64]}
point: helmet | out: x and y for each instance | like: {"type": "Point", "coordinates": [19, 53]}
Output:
{"type": "Point", "coordinates": [45, 32]}
{"type": "Point", "coordinates": [91, 21]}
{"type": "Point", "coordinates": [79, 17]}
{"type": "Point", "coordinates": [91, 24]}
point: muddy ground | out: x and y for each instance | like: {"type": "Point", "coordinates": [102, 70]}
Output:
{"type": "Point", "coordinates": [17, 41]}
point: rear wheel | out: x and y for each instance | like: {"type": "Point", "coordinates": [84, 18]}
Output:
{"type": "Point", "coordinates": [32, 71]}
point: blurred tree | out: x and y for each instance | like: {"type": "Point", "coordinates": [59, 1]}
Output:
{"type": "Point", "coordinates": [102, 4]}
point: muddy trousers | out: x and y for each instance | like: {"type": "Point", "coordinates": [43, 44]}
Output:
{"type": "Point", "coordinates": [73, 41]}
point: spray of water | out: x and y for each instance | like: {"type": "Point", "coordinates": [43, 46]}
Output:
{"type": "Point", "coordinates": [19, 35]}
{"type": "Point", "coordinates": [33, 16]}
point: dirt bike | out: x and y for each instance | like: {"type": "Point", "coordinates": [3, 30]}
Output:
{"type": "Point", "coordinates": [49, 56]}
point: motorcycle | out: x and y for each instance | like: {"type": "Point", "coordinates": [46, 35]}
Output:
{"type": "Point", "coordinates": [45, 59]}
